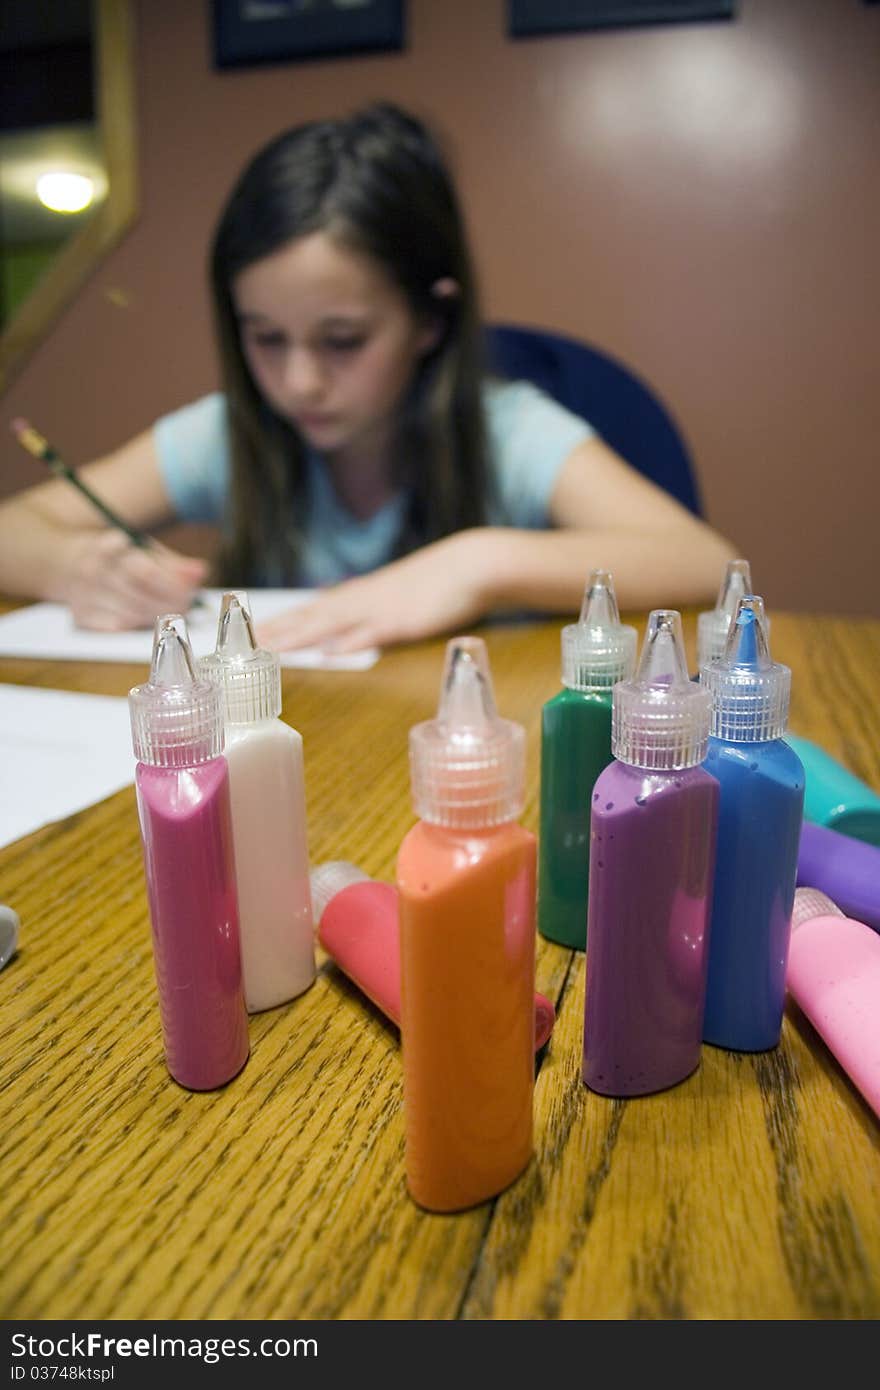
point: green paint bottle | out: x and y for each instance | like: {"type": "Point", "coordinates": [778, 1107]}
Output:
{"type": "Point", "coordinates": [714, 625]}
{"type": "Point", "coordinates": [597, 652]}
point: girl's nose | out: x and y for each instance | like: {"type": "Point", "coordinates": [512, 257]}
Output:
{"type": "Point", "coordinates": [303, 378]}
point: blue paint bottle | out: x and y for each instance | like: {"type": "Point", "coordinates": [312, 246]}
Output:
{"type": "Point", "coordinates": [759, 824]}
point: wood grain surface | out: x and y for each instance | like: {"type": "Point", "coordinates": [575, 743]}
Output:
{"type": "Point", "coordinates": [750, 1191]}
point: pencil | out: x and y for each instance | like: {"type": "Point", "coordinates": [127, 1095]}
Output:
{"type": "Point", "coordinates": [31, 440]}
{"type": "Point", "coordinates": [40, 448]}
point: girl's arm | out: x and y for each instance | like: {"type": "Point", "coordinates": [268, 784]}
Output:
{"type": "Point", "coordinates": [55, 545]}
{"type": "Point", "coordinates": [608, 516]}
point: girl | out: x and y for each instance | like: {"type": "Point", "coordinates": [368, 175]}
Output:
{"type": "Point", "coordinates": [357, 445]}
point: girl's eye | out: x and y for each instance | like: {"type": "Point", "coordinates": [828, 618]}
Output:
{"type": "Point", "coordinates": [344, 344]}
{"type": "Point", "coordinates": [268, 340]}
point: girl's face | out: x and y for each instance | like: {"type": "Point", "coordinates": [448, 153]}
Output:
{"type": "Point", "coordinates": [331, 342]}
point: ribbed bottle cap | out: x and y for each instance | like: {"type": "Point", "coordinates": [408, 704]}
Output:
{"type": "Point", "coordinates": [713, 627]}
{"type": "Point", "coordinates": [750, 693]}
{"type": "Point", "coordinates": [326, 880]}
{"type": "Point", "coordinates": [10, 925]}
{"type": "Point", "coordinates": [660, 718]}
{"type": "Point", "coordinates": [808, 903]}
{"type": "Point", "coordinates": [598, 650]}
{"type": "Point", "coordinates": [467, 766]}
{"type": "Point", "coordinates": [176, 716]}
{"type": "Point", "coordinates": [248, 676]}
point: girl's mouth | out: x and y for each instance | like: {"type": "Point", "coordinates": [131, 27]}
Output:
{"type": "Point", "coordinates": [315, 422]}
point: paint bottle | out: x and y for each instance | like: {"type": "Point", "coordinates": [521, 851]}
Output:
{"type": "Point", "coordinates": [652, 856]}
{"type": "Point", "coordinates": [759, 824]}
{"type": "Point", "coordinates": [358, 926]}
{"type": "Point", "coordinates": [267, 791]}
{"type": "Point", "coordinates": [597, 651]}
{"type": "Point", "coordinates": [182, 785]}
{"type": "Point", "coordinates": [10, 926]}
{"type": "Point", "coordinates": [466, 876]}
{"type": "Point", "coordinates": [834, 977]}
{"type": "Point", "coordinates": [714, 625]}
{"type": "Point", "coordinates": [847, 870]}
{"type": "Point", "coordinates": [835, 797]}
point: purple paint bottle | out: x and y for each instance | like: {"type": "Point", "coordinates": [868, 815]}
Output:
{"type": "Point", "coordinates": [182, 785]}
{"type": "Point", "coordinates": [652, 858]}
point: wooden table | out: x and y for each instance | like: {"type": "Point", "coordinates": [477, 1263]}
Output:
{"type": "Point", "coordinates": [750, 1191]}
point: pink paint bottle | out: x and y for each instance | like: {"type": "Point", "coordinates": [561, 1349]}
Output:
{"type": "Point", "coordinates": [652, 859]}
{"type": "Point", "coordinates": [182, 785]}
{"type": "Point", "coordinates": [358, 925]}
{"type": "Point", "coordinates": [834, 976]}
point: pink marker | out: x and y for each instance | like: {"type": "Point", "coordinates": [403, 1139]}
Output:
{"type": "Point", "coordinates": [182, 786]}
{"type": "Point", "coordinates": [834, 976]}
{"type": "Point", "coordinates": [358, 927]}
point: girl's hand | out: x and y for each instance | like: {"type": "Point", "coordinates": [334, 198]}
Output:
{"type": "Point", "coordinates": [437, 589]}
{"type": "Point", "coordinates": [112, 585]}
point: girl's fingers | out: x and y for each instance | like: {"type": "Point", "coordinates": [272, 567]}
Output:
{"type": "Point", "coordinates": [156, 583]}
{"type": "Point", "coordinates": [303, 627]}
{"type": "Point", "coordinates": [99, 617]}
{"type": "Point", "coordinates": [176, 557]}
{"type": "Point", "coordinates": [116, 585]}
{"type": "Point", "coordinates": [191, 569]}
{"type": "Point", "coordinates": [356, 639]}
{"type": "Point", "coordinates": [136, 604]}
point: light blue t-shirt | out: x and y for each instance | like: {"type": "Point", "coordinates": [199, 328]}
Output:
{"type": "Point", "coordinates": [529, 437]}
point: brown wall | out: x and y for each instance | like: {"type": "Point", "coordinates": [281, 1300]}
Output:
{"type": "Point", "coordinates": [702, 200]}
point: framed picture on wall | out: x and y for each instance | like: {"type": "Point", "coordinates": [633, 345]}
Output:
{"type": "Point", "coordinates": [278, 31]}
{"type": "Point", "coordinates": [529, 17]}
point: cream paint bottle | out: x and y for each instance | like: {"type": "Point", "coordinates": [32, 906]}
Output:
{"type": "Point", "coordinates": [267, 788]}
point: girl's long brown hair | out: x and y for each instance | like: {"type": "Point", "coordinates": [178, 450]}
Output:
{"type": "Point", "coordinates": [377, 184]}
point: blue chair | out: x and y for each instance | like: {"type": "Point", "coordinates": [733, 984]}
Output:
{"type": "Point", "coordinates": [625, 411]}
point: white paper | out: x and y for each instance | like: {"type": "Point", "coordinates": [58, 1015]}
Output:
{"type": "Point", "coordinates": [59, 752]}
{"type": "Point", "coordinates": [46, 630]}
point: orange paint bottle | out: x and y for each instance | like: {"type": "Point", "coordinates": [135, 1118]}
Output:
{"type": "Point", "coordinates": [466, 880]}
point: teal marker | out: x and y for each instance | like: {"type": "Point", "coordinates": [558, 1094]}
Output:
{"type": "Point", "coordinates": [834, 796]}
{"type": "Point", "coordinates": [597, 651]}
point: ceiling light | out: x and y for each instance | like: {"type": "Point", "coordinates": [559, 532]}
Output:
{"type": "Point", "coordinates": [65, 192]}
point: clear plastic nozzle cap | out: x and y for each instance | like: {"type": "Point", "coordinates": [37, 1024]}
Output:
{"type": "Point", "coordinates": [467, 766]}
{"type": "Point", "coordinates": [176, 716]}
{"type": "Point", "coordinates": [598, 650]}
{"type": "Point", "coordinates": [750, 693]}
{"type": "Point", "coordinates": [328, 879]}
{"type": "Point", "coordinates": [810, 903]}
{"type": "Point", "coordinates": [713, 626]}
{"type": "Point", "coordinates": [247, 676]}
{"type": "Point", "coordinates": [660, 717]}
